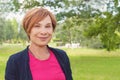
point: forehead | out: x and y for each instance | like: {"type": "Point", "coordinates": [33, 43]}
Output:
{"type": "Point", "coordinates": [45, 20]}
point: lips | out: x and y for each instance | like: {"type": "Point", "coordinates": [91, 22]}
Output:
{"type": "Point", "coordinates": [42, 38]}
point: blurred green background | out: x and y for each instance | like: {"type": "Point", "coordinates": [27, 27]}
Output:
{"type": "Point", "coordinates": [84, 23]}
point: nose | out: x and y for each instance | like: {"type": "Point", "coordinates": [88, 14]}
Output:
{"type": "Point", "coordinates": [43, 31]}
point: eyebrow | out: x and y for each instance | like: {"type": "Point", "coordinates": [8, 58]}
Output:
{"type": "Point", "coordinates": [46, 24]}
{"type": "Point", "coordinates": [49, 24]}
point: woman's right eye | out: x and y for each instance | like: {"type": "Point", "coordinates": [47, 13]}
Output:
{"type": "Point", "coordinates": [36, 26]}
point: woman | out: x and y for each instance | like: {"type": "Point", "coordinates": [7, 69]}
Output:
{"type": "Point", "coordinates": [39, 61]}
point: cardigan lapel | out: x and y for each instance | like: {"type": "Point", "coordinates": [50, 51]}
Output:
{"type": "Point", "coordinates": [28, 75]}
{"type": "Point", "coordinates": [60, 60]}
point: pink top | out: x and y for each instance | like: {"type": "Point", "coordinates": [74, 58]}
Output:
{"type": "Point", "coordinates": [46, 69]}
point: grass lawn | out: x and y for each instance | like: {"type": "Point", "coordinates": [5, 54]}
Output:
{"type": "Point", "coordinates": [95, 68]}
{"type": "Point", "coordinates": [90, 64]}
{"type": "Point", "coordinates": [86, 64]}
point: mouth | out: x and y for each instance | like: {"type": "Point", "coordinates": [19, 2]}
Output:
{"type": "Point", "coordinates": [43, 38]}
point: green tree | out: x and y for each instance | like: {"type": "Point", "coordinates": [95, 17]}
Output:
{"type": "Point", "coordinates": [107, 28]}
{"type": "Point", "coordinates": [6, 30]}
{"type": "Point", "coordinates": [77, 16]}
{"type": "Point", "coordinates": [2, 30]}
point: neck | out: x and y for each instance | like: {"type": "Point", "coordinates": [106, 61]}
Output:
{"type": "Point", "coordinates": [40, 52]}
{"type": "Point", "coordinates": [38, 49]}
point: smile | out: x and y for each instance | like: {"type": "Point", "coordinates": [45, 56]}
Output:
{"type": "Point", "coordinates": [42, 38]}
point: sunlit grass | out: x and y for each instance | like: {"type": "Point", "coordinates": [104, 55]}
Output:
{"type": "Point", "coordinates": [91, 52]}
{"type": "Point", "coordinates": [92, 64]}
{"type": "Point", "coordinates": [95, 68]}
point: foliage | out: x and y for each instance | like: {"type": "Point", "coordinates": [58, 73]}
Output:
{"type": "Point", "coordinates": [2, 30]}
{"type": "Point", "coordinates": [10, 32]}
{"type": "Point", "coordinates": [74, 17]}
{"type": "Point", "coordinates": [6, 30]}
{"type": "Point", "coordinates": [106, 27]}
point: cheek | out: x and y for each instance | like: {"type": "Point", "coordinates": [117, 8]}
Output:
{"type": "Point", "coordinates": [51, 32]}
{"type": "Point", "coordinates": [32, 34]}
{"type": "Point", "coordinates": [34, 31]}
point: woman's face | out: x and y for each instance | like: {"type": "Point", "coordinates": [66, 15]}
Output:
{"type": "Point", "coordinates": [42, 32]}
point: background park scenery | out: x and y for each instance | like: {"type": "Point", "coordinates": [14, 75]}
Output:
{"type": "Point", "coordinates": [88, 30]}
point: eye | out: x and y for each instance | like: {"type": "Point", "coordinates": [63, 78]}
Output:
{"type": "Point", "coordinates": [48, 26]}
{"type": "Point", "coordinates": [37, 26]}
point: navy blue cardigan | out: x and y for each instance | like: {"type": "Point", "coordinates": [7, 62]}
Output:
{"type": "Point", "coordinates": [18, 65]}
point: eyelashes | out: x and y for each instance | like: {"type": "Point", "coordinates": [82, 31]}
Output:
{"type": "Point", "coordinates": [45, 26]}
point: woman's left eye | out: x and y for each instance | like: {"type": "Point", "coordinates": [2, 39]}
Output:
{"type": "Point", "coordinates": [48, 26]}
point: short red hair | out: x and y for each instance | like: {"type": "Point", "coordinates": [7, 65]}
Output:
{"type": "Point", "coordinates": [35, 15]}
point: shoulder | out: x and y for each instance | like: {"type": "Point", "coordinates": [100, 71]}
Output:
{"type": "Point", "coordinates": [58, 51]}
{"type": "Point", "coordinates": [61, 56]}
{"type": "Point", "coordinates": [19, 55]}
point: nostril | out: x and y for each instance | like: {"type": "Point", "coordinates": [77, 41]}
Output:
{"type": "Point", "coordinates": [43, 32]}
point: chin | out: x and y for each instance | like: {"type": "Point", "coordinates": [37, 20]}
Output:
{"type": "Point", "coordinates": [42, 44]}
